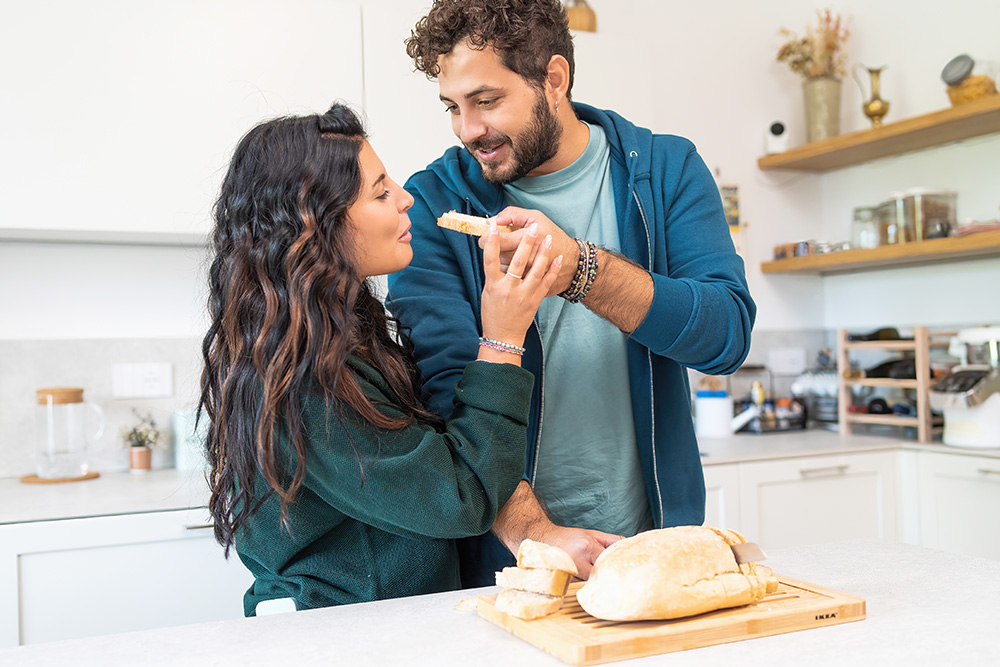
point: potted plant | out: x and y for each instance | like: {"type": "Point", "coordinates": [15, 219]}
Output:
{"type": "Point", "coordinates": [820, 59]}
{"type": "Point", "coordinates": [140, 439]}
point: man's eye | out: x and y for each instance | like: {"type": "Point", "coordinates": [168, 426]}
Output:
{"type": "Point", "coordinates": [487, 103]}
{"type": "Point", "coordinates": [451, 108]}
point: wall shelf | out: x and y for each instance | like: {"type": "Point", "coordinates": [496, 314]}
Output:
{"type": "Point", "coordinates": [972, 119]}
{"type": "Point", "coordinates": [952, 249]}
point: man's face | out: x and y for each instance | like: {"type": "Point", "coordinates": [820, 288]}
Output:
{"type": "Point", "coordinates": [505, 123]}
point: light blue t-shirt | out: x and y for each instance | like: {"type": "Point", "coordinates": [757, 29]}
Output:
{"type": "Point", "coordinates": [588, 473]}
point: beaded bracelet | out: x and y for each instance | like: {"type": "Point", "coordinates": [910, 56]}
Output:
{"type": "Point", "coordinates": [501, 346]}
{"type": "Point", "coordinates": [586, 272]}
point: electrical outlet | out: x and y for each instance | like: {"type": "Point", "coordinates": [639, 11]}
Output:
{"type": "Point", "coordinates": [787, 360]}
{"type": "Point", "coordinates": [149, 380]}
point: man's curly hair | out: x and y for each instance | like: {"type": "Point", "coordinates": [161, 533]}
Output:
{"type": "Point", "coordinates": [525, 33]}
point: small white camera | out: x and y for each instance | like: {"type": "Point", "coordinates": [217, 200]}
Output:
{"type": "Point", "coordinates": [776, 138]}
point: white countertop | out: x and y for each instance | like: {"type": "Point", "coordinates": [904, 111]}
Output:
{"type": "Point", "coordinates": [924, 607]}
{"type": "Point", "coordinates": [110, 494]}
{"type": "Point", "coordinates": [812, 442]}
{"type": "Point", "coordinates": [162, 490]}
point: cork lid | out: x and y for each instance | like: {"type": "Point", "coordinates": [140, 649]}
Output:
{"type": "Point", "coordinates": [59, 395]}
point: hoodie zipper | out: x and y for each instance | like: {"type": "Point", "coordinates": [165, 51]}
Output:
{"type": "Point", "coordinates": [649, 354]}
{"type": "Point", "coordinates": [541, 403]}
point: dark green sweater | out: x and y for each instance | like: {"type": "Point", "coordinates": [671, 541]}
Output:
{"type": "Point", "coordinates": [392, 535]}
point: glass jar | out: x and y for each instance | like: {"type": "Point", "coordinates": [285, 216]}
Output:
{"type": "Point", "coordinates": [929, 214]}
{"type": "Point", "coordinates": [61, 434]}
{"type": "Point", "coordinates": [864, 229]}
{"type": "Point", "coordinates": [969, 79]}
{"type": "Point", "coordinates": [889, 220]}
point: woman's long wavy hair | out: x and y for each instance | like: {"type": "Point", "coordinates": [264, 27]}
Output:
{"type": "Point", "coordinates": [287, 309]}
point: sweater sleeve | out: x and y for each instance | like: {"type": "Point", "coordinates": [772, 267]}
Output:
{"type": "Point", "coordinates": [702, 313]}
{"type": "Point", "coordinates": [417, 481]}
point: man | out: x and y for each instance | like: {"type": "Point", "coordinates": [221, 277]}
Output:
{"type": "Point", "coordinates": [650, 281]}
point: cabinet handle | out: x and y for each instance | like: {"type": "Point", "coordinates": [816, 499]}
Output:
{"type": "Point", "coordinates": [198, 526]}
{"type": "Point", "coordinates": [988, 471]}
{"type": "Point", "coordinates": [829, 471]}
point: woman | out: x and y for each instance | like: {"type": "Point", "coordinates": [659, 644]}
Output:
{"type": "Point", "coordinates": [329, 478]}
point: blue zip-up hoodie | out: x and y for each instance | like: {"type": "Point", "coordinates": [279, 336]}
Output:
{"type": "Point", "coordinates": [671, 223]}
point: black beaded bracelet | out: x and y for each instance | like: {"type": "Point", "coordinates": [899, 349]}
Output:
{"type": "Point", "coordinates": [586, 272]}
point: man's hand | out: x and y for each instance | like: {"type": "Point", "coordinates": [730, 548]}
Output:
{"type": "Point", "coordinates": [583, 546]}
{"type": "Point", "coordinates": [518, 219]}
{"type": "Point", "coordinates": [523, 517]}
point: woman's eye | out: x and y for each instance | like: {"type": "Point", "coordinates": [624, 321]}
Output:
{"type": "Point", "coordinates": [384, 195]}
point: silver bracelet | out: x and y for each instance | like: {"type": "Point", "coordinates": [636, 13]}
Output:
{"type": "Point", "coordinates": [501, 346]}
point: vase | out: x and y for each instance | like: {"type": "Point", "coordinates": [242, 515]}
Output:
{"type": "Point", "coordinates": [139, 459]}
{"type": "Point", "coordinates": [822, 100]}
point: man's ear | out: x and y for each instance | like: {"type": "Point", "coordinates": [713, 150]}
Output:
{"type": "Point", "coordinates": [557, 78]}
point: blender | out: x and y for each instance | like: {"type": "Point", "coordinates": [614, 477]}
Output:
{"type": "Point", "coordinates": [969, 396]}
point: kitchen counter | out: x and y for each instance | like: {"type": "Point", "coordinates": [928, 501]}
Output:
{"type": "Point", "coordinates": [162, 490]}
{"type": "Point", "coordinates": [924, 607]}
{"type": "Point", "coordinates": [110, 494]}
{"type": "Point", "coordinates": [743, 447]}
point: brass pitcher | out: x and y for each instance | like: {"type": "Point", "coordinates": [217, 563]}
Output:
{"type": "Point", "coordinates": [876, 107]}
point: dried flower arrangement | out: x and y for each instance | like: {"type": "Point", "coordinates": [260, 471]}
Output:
{"type": "Point", "coordinates": [821, 52]}
{"type": "Point", "coordinates": [143, 434]}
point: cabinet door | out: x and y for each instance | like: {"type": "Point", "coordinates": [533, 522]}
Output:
{"type": "Point", "coordinates": [85, 577]}
{"type": "Point", "coordinates": [722, 496]}
{"type": "Point", "coordinates": [815, 499]}
{"type": "Point", "coordinates": [960, 503]}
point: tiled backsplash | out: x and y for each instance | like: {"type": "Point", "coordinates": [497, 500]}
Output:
{"type": "Point", "coordinates": [29, 365]}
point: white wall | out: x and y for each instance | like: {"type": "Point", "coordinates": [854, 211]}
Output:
{"type": "Point", "coordinates": [703, 70]}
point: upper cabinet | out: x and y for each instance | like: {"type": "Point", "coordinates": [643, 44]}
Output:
{"type": "Point", "coordinates": [119, 120]}
{"type": "Point", "coordinates": [973, 119]}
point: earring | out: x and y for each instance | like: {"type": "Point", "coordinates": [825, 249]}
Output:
{"type": "Point", "coordinates": [557, 107]}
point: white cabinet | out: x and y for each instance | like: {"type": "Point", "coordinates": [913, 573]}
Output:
{"type": "Point", "coordinates": [960, 503]}
{"type": "Point", "coordinates": [84, 577]}
{"type": "Point", "coordinates": [814, 499]}
{"type": "Point", "coordinates": [722, 496]}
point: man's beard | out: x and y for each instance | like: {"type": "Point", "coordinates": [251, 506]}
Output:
{"type": "Point", "coordinates": [534, 146]}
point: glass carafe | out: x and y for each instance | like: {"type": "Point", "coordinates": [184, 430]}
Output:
{"type": "Point", "coordinates": [62, 435]}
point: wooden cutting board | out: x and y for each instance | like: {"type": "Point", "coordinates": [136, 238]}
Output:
{"type": "Point", "coordinates": [576, 637]}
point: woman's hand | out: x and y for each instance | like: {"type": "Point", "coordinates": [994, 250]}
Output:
{"type": "Point", "coordinates": [511, 298]}
{"type": "Point", "coordinates": [520, 220]}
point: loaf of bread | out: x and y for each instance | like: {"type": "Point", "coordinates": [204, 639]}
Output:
{"type": "Point", "coordinates": [672, 573]}
{"type": "Point", "coordinates": [534, 580]}
{"type": "Point", "coordinates": [539, 554]}
{"type": "Point", "coordinates": [527, 605]}
{"type": "Point", "coordinates": [467, 224]}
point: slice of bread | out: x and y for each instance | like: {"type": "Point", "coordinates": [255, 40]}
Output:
{"type": "Point", "coordinates": [538, 554]}
{"type": "Point", "coordinates": [467, 224]}
{"type": "Point", "coordinates": [526, 605]}
{"type": "Point", "coordinates": [535, 580]}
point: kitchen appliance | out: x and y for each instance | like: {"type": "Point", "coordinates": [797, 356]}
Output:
{"type": "Point", "coordinates": [62, 435]}
{"type": "Point", "coordinates": [969, 396]}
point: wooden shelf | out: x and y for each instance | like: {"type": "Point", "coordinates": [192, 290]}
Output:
{"type": "Point", "coordinates": [972, 119]}
{"type": "Point", "coordinates": [980, 244]}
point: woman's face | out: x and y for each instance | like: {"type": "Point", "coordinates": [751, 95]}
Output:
{"type": "Point", "coordinates": [381, 226]}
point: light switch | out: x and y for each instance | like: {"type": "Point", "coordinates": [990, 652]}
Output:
{"type": "Point", "coordinates": [147, 380]}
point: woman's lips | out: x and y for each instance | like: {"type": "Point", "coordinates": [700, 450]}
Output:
{"type": "Point", "coordinates": [406, 236]}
